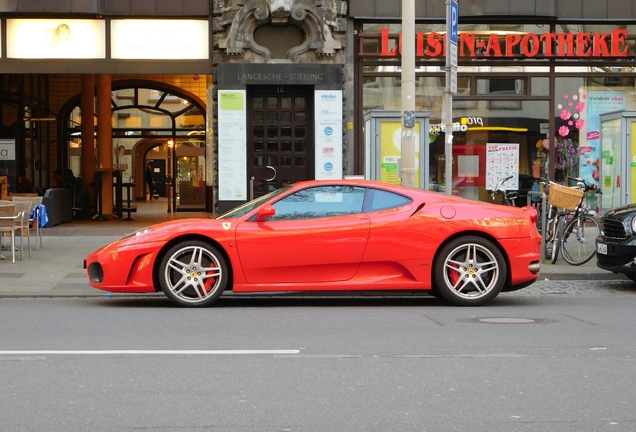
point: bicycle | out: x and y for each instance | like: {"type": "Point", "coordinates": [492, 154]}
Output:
{"type": "Point", "coordinates": [574, 234]}
{"type": "Point", "coordinates": [552, 217]}
{"type": "Point", "coordinates": [508, 196]}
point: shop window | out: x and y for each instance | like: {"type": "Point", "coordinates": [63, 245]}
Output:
{"type": "Point", "coordinates": [540, 86]}
{"type": "Point", "coordinates": [501, 86]}
{"type": "Point", "coordinates": [612, 81]}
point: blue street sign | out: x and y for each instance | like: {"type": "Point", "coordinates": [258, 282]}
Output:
{"type": "Point", "coordinates": [454, 21]}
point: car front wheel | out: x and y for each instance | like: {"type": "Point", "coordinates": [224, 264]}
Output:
{"type": "Point", "coordinates": [470, 271]}
{"type": "Point", "coordinates": [193, 273]}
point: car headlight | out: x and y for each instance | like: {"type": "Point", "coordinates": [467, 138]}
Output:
{"type": "Point", "coordinates": [136, 233]}
{"type": "Point", "coordinates": [634, 225]}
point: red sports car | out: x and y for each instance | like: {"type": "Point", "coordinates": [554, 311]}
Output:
{"type": "Point", "coordinates": [330, 236]}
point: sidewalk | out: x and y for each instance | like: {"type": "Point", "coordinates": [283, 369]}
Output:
{"type": "Point", "coordinates": [56, 270]}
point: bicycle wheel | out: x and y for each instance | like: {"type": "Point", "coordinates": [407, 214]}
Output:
{"type": "Point", "coordinates": [556, 241]}
{"type": "Point", "coordinates": [578, 243]}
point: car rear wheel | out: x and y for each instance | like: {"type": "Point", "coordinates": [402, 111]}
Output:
{"type": "Point", "coordinates": [470, 271]}
{"type": "Point", "coordinates": [193, 273]}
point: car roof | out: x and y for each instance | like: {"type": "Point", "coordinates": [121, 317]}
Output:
{"type": "Point", "coordinates": [361, 183]}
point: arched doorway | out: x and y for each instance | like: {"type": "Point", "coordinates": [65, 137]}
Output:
{"type": "Point", "coordinates": [147, 115]}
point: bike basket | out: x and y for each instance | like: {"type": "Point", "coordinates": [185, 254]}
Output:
{"type": "Point", "coordinates": [565, 197]}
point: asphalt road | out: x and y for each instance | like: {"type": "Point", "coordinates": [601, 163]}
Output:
{"type": "Point", "coordinates": [559, 357]}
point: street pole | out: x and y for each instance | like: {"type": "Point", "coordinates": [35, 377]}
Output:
{"type": "Point", "coordinates": [408, 94]}
{"type": "Point", "coordinates": [452, 16]}
{"type": "Point", "coordinates": [169, 174]}
{"type": "Point", "coordinates": [448, 144]}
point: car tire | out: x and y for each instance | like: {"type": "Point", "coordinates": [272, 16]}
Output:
{"type": "Point", "coordinates": [470, 271]}
{"type": "Point", "coordinates": [193, 273]}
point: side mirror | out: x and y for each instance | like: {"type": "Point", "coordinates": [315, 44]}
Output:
{"type": "Point", "coordinates": [265, 212]}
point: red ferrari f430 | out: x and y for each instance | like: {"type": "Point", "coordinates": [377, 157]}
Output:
{"type": "Point", "coordinates": [330, 236]}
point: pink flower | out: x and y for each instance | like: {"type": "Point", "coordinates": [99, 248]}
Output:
{"type": "Point", "coordinates": [595, 174]}
{"type": "Point", "coordinates": [569, 103]}
{"type": "Point", "coordinates": [565, 114]}
{"type": "Point", "coordinates": [564, 130]}
{"type": "Point", "coordinates": [580, 106]}
{"type": "Point", "coordinates": [570, 123]}
{"type": "Point", "coordinates": [565, 97]}
{"type": "Point", "coordinates": [575, 97]}
{"type": "Point", "coordinates": [579, 124]}
{"type": "Point", "coordinates": [584, 96]}
{"type": "Point", "coordinates": [546, 144]}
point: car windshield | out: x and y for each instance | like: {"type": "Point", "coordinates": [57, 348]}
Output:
{"type": "Point", "coordinates": [251, 205]}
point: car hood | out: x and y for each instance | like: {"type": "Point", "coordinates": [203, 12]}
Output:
{"type": "Point", "coordinates": [164, 231]}
{"type": "Point", "coordinates": [621, 213]}
{"type": "Point", "coordinates": [192, 225]}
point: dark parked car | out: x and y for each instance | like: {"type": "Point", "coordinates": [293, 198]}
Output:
{"type": "Point", "coordinates": [616, 246]}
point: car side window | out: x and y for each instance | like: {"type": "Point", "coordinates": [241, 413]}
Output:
{"type": "Point", "coordinates": [319, 202]}
{"type": "Point", "coordinates": [381, 200]}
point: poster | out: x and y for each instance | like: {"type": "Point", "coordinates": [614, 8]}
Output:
{"type": "Point", "coordinates": [328, 134]}
{"type": "Point", "coordinates": [56, 38]}
{"type": "Point", "coordinates": [232, 145]}
{"type": "Point", "coordinates": [7, 149]}
{"type": "Point", "coordinates": [502, 160]}
{"type": "Point", "coordinates": [598, 102]}
{"type": "Point", "coordinates": [391, 152]}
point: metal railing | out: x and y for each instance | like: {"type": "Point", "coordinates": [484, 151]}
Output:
{"type": "Point", "coordinates": [544, 203]}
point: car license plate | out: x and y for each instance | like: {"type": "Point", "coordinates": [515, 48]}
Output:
{"type": "Point", "coordinates": [601, 248]}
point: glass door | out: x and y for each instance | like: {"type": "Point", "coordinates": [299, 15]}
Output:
{"type": "Point", "coordinates": [190, 173]}
{"type": "Point", "coordinates": [618, 159]}
{"type": "Point", "coordinates": [610, 171]}
{"type": "Point", "coordinates": [280, 137]}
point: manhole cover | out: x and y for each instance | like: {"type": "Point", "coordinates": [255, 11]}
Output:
{"type": "Point", "coordinates": [507, 320]}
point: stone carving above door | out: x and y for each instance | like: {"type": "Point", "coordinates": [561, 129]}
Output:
{"type": "Point", "coordinates": [321, 22]}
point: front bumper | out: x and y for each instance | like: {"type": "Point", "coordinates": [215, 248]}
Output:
{"type": "Point", "coordinates": [123, 268]}
{"type": "Point", "coordinates": [619, 257]}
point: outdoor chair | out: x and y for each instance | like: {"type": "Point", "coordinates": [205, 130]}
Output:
{"type": "Point", "coordinates": [20, 222]}
{"type": "Point", "coordinates": [34, 216]}
{"type": "Point", "coordinates": [7, 225]}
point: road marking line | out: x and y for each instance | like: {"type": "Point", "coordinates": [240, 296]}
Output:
{"type": "Point", "coordinates": [150, 352]}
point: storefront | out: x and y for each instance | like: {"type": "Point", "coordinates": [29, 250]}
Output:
{"type": "Point", "coordinates": [231, 99]}
{"type": "Point", "coordinates": [283, 96]}
{"type": "Point", "coordinates": [227, 100]}
{"type": "Point", "coordinates": [97, 86]}
{"type": "Point", "coordinates": [530, 90]}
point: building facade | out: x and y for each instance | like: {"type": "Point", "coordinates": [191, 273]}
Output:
{"type": "Point", "coordinates": [231, 99]}
{"type": "Point", "coordinates": [535, 83]}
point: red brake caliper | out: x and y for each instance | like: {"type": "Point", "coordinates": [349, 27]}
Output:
{"type": "Point", "coordinates": [454, 275]}
{"type": "Point", "coordinates": [209, 282]}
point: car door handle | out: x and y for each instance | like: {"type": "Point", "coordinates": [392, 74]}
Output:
{"type": "Point", "coordinates": [273, 169]}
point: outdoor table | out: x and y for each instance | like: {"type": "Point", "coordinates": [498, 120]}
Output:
{"type": "Point", "coordinates": [117, 184]}
{"type": "Point", "coordinates": [99, 204]}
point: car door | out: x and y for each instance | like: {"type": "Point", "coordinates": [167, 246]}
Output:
{"type": "Point", "coordinates": [394, 234]}
{"type": "Point", "coordinates": [318, 234]}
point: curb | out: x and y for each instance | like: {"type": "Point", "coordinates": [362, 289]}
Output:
{"type": "Point", "coordinates": [581, 276]}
